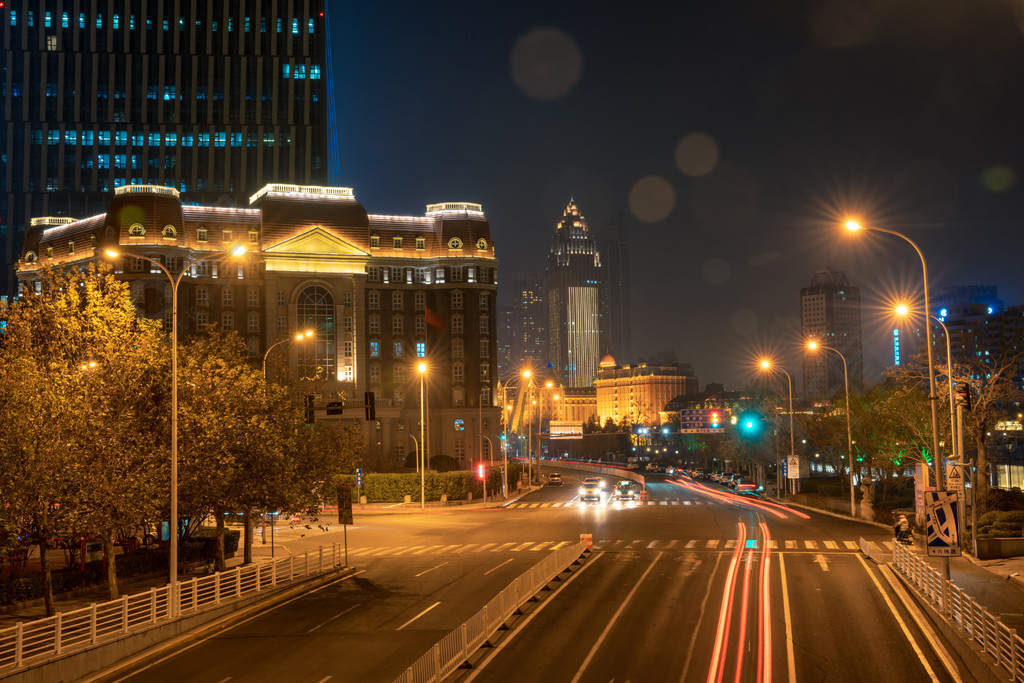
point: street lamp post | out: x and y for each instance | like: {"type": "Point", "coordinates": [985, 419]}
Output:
{"type": "Point", "coordinates": [302, 336]}
{"type": "Point", "coordinates": [422, 368]}
{"type": "Point", "coordinates": [812, 345]}
{"type": "Point", "coordinates": [902, 310]}
{"type": "Point", "coordinates": [175, 281]}
{"type": "Point", "coordinates": [767, 365]}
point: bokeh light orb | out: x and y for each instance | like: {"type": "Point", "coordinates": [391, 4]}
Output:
{"type": "Point", "coordinates": [998, 178]}
{"type": "Point", "coordinates": [716, 271]}
{"type": "Point", "coordinates": [546, 63]}
{"type": "Point", "coordinates": [697, 154]}
{"type": "Point", "coordinates": [652, 199]}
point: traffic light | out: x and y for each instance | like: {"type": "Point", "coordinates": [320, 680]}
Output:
{"type": "Point", "coordinates": [481, 471]}
{"type": "Point", "coordinates": [963, 394]}
{"type": "Point", "coordinates": [715, 420]}
{"type": "Point", "coordinates": [749, 424]}
{"type": "Point", "coordinates": [371, 407]}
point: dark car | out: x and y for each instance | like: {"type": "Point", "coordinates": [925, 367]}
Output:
{"type": "Point", "coordinates": [555, 479]}
{"type": "Point", "coordinates": [625, 490]}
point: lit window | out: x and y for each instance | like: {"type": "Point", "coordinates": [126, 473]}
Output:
{"type": "Point", "coordinates": [459, 424]}
{"type": "Point", "coordinates": [485, 372]}
{"type": "Point", "coordinates": [374, 349]}
{"type": "Point", "coordinates": [398, 349]}
{"type": "Point", "coordinates": [421, 349]}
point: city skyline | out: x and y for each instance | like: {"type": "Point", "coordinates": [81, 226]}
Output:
{"type": "Point", "coordinates": [730, 141]}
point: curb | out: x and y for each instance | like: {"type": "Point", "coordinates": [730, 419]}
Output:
{"type": "Point", "coordinates": [848, 518]}
{"type": "Point", "coordinates": [1019, 579]}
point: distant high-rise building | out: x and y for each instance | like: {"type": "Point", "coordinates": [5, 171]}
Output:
{"type": "Point", "coordinates": [529, 342]}
{"type": "Point", "coordinates": [830, 313]}
{"type": "Point", "coordinates": [618, 327]}
{"type": "Point", "coordinates": [506, 331]}
{"type": "Point", "coordinates": [575, 283]}
{"type": "Point", "coordinates": [212, 99]}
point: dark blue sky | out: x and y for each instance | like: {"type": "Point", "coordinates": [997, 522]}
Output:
{"type": "Point", "coordinates": [910, 112]}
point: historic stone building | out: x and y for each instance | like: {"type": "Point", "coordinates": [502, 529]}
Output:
{"type": "Point", "coordinates": [380, 293]}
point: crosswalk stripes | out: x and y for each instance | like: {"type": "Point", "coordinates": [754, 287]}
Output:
{"type": "Point", "coordinates": [567, 505]}
{"type": "Point", "coordinates": [714, 544]}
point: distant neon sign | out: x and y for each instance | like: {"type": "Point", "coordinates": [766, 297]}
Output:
{"type": "Point", "coordinates": [896, 347]}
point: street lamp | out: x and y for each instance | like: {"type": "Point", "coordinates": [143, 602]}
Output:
{"type": "Point", "coordinates": [903, 310]}
{"type": "Point", "coordinates": [766, 365]}
{"type": "Point", "coordinates": [854, 226]}
{"type": "Point", "coordinates": [175, 281]}
{"type": "Point", "coordinates": [813, 345]}
{"type": "Point", "coordinates": [302, 336]}
{"type": "Point", "coordinates": [422, 369]}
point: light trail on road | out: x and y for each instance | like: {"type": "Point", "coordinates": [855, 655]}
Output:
{"type": "Point", "coordinates": [725, 613]}
{"type": "Point", "coordinates": [728, 497]}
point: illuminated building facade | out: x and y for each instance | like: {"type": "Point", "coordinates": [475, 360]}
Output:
{"type": "Point", "coordinates": [212, 99]}
{"type": "Point", "coordinates": [637, 394]}
{"type": "Point", "coordinates": [619, 327]}
{"type": "Point", "coordinates": [575, 284]}
{"type": "Point", "coordinates": [380, 292]}
{"type": "Point", "coordinates": [529, 340]}
{"type": "Point", "coordinates": [830, 313]}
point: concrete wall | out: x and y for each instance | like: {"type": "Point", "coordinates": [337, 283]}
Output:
{"type": "Point", "coordinates": [995, 548]}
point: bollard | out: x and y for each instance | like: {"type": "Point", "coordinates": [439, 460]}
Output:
{"type": "Point", "coordinates": [588, 539]}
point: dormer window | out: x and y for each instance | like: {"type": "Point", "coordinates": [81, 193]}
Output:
{"type": "Point", "coordinates": [49, 252]}
{"type": "Point", "coordinates": [136, 230]}
{"type": "Point", "coordinates": [455, 243]}
{"type": "Point", "coordinates": [254, 237]}
{"type": "Point", "coordinates": [374, 241]}
{"type": "Point", "coordinates": [71, 248]}
{"type": "Point", "coordinates": [481, 244]}
{"type": "Point", "coordinates": [30, 257]}
{"type": "Point", "coordinates": [225, 236]}
{"type": "Point", "coordinates": [169, 232]}
{"type": "Point", "coordinates": [421, 243]}
{"type": "Point", "coordinates": [201, 235]}
{"type": "Point", "coordinates": [396, 242]}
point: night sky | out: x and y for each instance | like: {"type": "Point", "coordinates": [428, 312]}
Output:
{"type": "Point", "coordinates": [730, 137]}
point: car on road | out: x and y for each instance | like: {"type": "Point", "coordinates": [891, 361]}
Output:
{"type": "Point", "coordinates": [744, 485]}
{"type": "Point", "coordinates": [591, 490]}
{"type": "Point", "coordinates": [596, 481]}
{"type": "Point", "coordinates": [625, 490]}
{"type": "Point", "coordinates": [554, 479]}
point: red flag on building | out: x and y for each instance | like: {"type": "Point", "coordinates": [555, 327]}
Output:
{"type": "Point", "coordinates": [434, 319]}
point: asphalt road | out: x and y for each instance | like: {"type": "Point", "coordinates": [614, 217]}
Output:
{"type": "Point", "coordinates": [688, 585]}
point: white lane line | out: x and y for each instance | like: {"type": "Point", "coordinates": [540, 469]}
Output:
{"type": "Point", "coordinates": [615, 617]}
{"type": "Point", "coordinates": [325, 679]}
{"type": "Point", "coordinates": [851, 545]}
{"type": "Point", "coordinates": [339, 614]}
{"type": "Point", "coordinates": [790, 657]}
{"type": "Point", "coordinates": [790, 545]}
{"type": "Point", "coordinates": [700, 620]}
{"type": "Point", "coordinates": [559, 545]}
{"type": "Point", "coordinates": [540, 546]}
{"type": "Point", "coordinates": [482, 548]}
{"type": "Point", "coordinates": [731, 543]}
{"type": "Point", "coordinates": [500, 565]}
{"type": "Point", "coordinates": [899, 620]}
{"type": "Point", "coordinates": [691, 544]}
{"type": "Point", "coordinates": [521, 546]}
{"type": "Point", "coordinates": [411, 549]}
{"type": "Point", "coordinates": [482, 666]}
{"type": "Point", "coordinates": [810, 545]}
{"type": "Point", "coordinates": [713, 543]}
{"type": "Point", "coordinates": [651, 544]}
{"type": "Point", "coordinates": [431, 569]}
{"type": "Point", "coordinates": [418, 615]}
{"type": "Point", "coordinates": [462, 548]}
{"type": "Point", "coordinates": [501, 547]}
{"type": "Point", "coordinates": [672, 543]}
{"type": "Point", "coordinates": [831, 545]}
{"type": "Point", "coordinates": [224, 680]}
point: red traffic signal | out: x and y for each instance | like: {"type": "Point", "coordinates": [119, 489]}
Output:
{"type": "Point", "coordinates": [481, 471]}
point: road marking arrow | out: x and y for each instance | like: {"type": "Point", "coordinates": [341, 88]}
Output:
{"type": "Point", "coordinates": [820, 559]}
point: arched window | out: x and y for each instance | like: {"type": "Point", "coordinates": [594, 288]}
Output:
{"type": "Point", "coordinates": [315, 309]}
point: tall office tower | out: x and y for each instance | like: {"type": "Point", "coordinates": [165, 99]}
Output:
{"type": "Point", "coordinates": [213, 99]}
{"type": "Point", "coordinates": [529, 346]}
{"type": "Point", "coordinates": [615, 255]}
{"type": "Point", "coordinates": [830, 313]}
{"type": "Point", "coordinates": [380, 292]}
{"type": "Point", "coordinates": [506, 327]}
{"type": "Point", "coordinates": [574, 283]}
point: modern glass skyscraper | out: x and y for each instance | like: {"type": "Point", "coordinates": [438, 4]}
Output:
{"type": "Point", "coordinates": [213, 99]}
{"type": "Point", "coordinates": [575, 282]}
{"type": "Point", "coordinates": [830, 313]}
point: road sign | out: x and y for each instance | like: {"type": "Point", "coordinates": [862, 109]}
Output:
{"type": "Point", "coordinates": [942, 510]}
{"type": "Point", "coordinates": [702, 421]}
{"type": "Point", "coordinates": [792, 466]}
{"type": "Point", "coordinates": [359, 476]}
{"type": "Point", "coordinates": [955, 478]}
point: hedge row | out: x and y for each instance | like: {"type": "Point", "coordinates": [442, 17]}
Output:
{"type": "Point", "coordinates": [1008, 524]}
{"type": "Point", "coordinates": [200, 547]}
{"type": "Point", "coordinates": [457, 485]}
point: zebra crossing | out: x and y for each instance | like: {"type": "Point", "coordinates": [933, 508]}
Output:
{"type": "Point", "coordinates": [576, 503]}
{"type": "Point", "coordinates": [714, 544]}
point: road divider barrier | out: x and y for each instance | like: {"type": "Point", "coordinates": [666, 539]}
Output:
{"type": "Point", "coordinates": [32, 643]}
{"type": "Point", "coordinates": [608, 471]}
{"type": "Point", "coordinates": [588, 539]}
{"type": "Point", "coordinates": [455, 649]}
{"type": "Point", "coordinates": [970, 619]}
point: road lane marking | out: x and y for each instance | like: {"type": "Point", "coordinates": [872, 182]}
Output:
{"type": "Point", "coordinates": [831, 545]}
{"type": "Point", "coordinates": [559, 545]}
{"type": "Point", "coordinates": [431, 569]}
{"type": "Point", "coordinates": [224, 680]}
{"type": "Point", "coordinates": [672, 543]}
{"type": "Point", "coordinates": [482, 548]}
{"type": "Point", "coordinates": [822, 562]}
{"type": "Point", "coordinates": [851, 545]}
{"type": "Point", "coordinates": [691, 544]}
{"type": "Point", "coordinates": [899, 620]}
{"type": "Point", "coordinates": [463, 548]}
{"type": "Point", "coordinates": [615, 617]}
{"type": "Point", "coordinates": [713, 543]}
{"type": "Point", "coordinates": [700, 620]}
{"type": "Point", "coordinates": [410, 549]}
{"type": "Point", "coordinates": [339, 614]}
{"type": "Point", "coordinates": [426, 549]}
{"type": "Point", "coordinates": [652, 544]}
{"type": "Point", "coordinates": [418, 615]}
{"type": "Point", "coordinates": [773, 544]}
{"type": "Point", "coordinates": [540, 546]}
{"type": "Point", "coordinates": [521, 546]}
{"type": "Point", "coordinates": [810, 545]}
{"type": "Point", "coordinates": [500, 565]}
{"type": "Point", "coordinates": [790, 657]}
{"type": "Point", "coordinates": [790, 545]}
{"type": "Point", "coordinates": [503, 546]}
{"type": "Point", "coordinates": [482, 666]}
{"type": "Point", "coordinates": [325, 679]}
{"type": "Point", "coordinates": [448, 548]}
{"type": "Point", "coordinates": [731, 543]}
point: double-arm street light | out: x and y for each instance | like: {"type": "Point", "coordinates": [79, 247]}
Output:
{"type": "Point", "coordinates": [302, 336]}
{"type": "Point", "coordinates": [768, 366]}
{"type": "Point", "coordinates": [813, 345]}
{"type": "Point", "coordinates": [175, 281]}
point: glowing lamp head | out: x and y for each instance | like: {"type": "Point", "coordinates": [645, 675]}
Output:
{"type": "Point", "coordinates": [902, 309]}
{"type": "Point", "coordinates": [812, 345]}
{"type": "Point", "coordinates": [853, 226]}
{"type": "Point", "coordinates": [550, 384]}
{"type": "Point", "coordinates": [526, 374]}
{"type": "Point", "coordinates": [766, 364]}
{"type": "Point", "coordinates": [111, 253]}
{"type": "Point", "coordinates": [238, 251]}
{"type": "Point", "coordinates": [421, 368]}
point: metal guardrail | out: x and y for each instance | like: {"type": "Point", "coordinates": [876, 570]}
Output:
{"type": "Point", "coordinates": [972, 620]}
{"type": "Point", "coordinates": [454, 649]}
{"type": "Point", "coordinates": [35, 642]}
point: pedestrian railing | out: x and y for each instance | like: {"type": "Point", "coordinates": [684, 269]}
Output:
{"type": "Point", "coordinates": [972, 620]}
{"type": "Point", "coordinates": [454, 649]}
{"type": "Point", "coordinates": [33, 642]}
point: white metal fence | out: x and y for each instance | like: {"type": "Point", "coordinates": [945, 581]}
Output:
{"type": "Point", "coordinates": [971, 619]}
{"type": "Point", "coordinates": [33, 642]}
{"type": "Point", "coordinates": [455, 648]}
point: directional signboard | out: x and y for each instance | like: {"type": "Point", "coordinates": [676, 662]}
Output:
{"type": "Point", "coordinates": [701, 421]}
{"type": "Point", "coordinates": [942, 512]}
{"type": "Point", "coordinates": [955, 478]}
